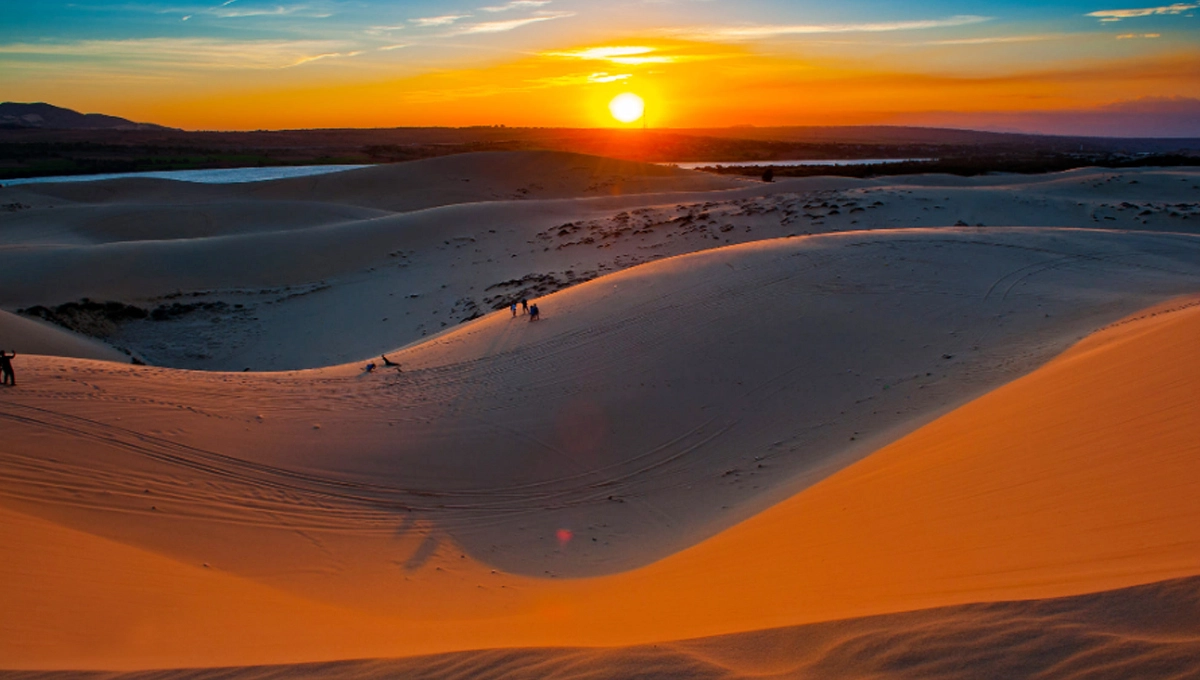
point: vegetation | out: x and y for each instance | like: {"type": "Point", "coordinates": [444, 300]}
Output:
{"type": "Point", "coordinates": [40, 153]}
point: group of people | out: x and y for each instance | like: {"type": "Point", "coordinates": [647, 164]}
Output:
{"type": "Point", "coordinates": [370, 368]}
{"type": "Point", "coordinates": [9, 377]}
{"type": "Point", "coordinates": [532, 310]}
{"type": "Point", "coordinates": [526, 308]}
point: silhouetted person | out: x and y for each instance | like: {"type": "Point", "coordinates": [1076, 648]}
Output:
{"type": "Point", "coordinates": [370, 367]}
{"type": "Point", "coordinates": [9, 376]}
{"type": "Point", "coordinates": [768, 175]}
{"type": "Point", "coordinates": [524, 306]}
{"type": "Point", "coordinates": [388, 362]}
{"type": "Point", "coordinates": [513, 307]}
{"type": "Point", "coordinates": [534, 314]}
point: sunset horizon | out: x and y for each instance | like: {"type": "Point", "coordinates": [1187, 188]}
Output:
{"type": "Point", "coordinates": [246, 64]}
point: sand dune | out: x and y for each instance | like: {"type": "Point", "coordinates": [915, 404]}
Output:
{"type": "Point", "coordinates": [957, 512]}
{"type": "Point", "coordinates": [385, 279]}
{"type": "Point", "coordinates": [762, 457]}
{"type": "Point", "coordinates": [83, 225]}
{"type": "Point", "coordinates": [29, 336]}
{"type": "Point", "coordinates": [1099, 635]}
{"type": "Point", "coordinates": [403, 187]}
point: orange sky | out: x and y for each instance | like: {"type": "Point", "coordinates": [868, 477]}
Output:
{"type": "Point", "coordinates": [559, 62]}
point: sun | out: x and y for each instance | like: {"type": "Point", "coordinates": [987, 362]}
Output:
{"type": "Point", "coordinates": [627, 107]}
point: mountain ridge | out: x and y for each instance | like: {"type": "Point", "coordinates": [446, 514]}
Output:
{"type": "Point", "coordinates": [45, 116]}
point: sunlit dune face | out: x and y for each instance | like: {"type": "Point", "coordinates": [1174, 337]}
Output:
{"type": "Point", "coordinates": [627, 107]}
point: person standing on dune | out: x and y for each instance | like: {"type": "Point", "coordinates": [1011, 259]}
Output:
{"type": "Point", "coordinates": [513, 307]}
{"type": "Point", "coordinates": [524, 306]}
{"type": "Point", "coordinates": [6, 368]}
{"type": "Point", "coordinates": [534, 313]}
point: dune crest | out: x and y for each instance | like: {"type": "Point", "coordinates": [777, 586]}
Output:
{"type": "Point", "coordinates": [28, 336]}
{"type": "Point", "coordinates": [1023, 493]}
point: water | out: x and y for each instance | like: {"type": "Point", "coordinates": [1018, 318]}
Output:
{"type": "Point", "coordinates": [795, 163]}
{"type": "Point", "coordinates": [221, 176]}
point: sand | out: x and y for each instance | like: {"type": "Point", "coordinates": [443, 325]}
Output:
{"type": "Point", "coordinates": [834, 446]}
{"type": "Point", "coordinates": [32, 336]}
{"type": "Point", "coordinates": [443, 251]}
{"type": "Point", "coordinates": [1108, 634]}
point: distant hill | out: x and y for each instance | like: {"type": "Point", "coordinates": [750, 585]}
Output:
{"type": "Point", "coordinates": [49, 117]}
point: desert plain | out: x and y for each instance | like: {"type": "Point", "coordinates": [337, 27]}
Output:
{"type": "Point", "coordinates": [921, 426]}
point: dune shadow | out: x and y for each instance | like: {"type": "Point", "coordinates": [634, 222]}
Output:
{"type": "Point", "coordinates": [424, 552]}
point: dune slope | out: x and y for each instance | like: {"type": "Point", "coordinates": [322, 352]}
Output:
{"type": "Point", "coordinates": [1146, 631]}
{"type": "Point", "coordinates": [435, 508]}
{"type": "Point", "coordinates": [251, 269]}
{"type": "Point", "coordinates": [29, 336]}
{"type": "Point", "coordinates": [414, 185]}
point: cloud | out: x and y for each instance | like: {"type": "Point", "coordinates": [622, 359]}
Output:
{"type": "Point", "coordinates": [598, 53]}
{"type": "Point", "coordinates": [174, 55]}
{"type": "Point", "coordinates": [997, 40]}
{"type": "Point", "coordinates": [1119, 14]}
{"type": "Point", "coordinates": [516, 4]}
{"type": "Point", "coordinates": [1131, 36]}
{"type": "Point", "coordinates": [227, 12]}
{"type": "Point", "coordinates": [510, 24]}
{"type": "Point", "coordinates": [758, 31]}
{"type": "Point", "coordinates": [327, 55]}
{"type": "Point", "coordinates": [607, 78]}
{"type": "Point", "coordinates": [319, 9]}
{"type": "Point", "coordinates": [389, 48]}
{"type": "Point", "coordinates": [443, 20]}
{"type": "Point", "coordinates": [624, 55]}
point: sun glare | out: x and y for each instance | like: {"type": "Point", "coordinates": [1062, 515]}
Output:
{"type": "Point", "coordinates": [627, 107]}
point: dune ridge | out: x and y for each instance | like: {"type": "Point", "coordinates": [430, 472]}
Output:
{"type": "Point", "coordinates": [266, 265]}
{"type": "Point", "coordinates": [930, 516]}
{"type": "Point", "coordinates": [29, 336]}
{"type": "Point", "coordinates": [1107, 634]}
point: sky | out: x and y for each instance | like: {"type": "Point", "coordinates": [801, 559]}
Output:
{"type": "Point", "coordinates": [1049, 66]}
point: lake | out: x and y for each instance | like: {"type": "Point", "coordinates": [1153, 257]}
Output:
{"type": "Point", "coordinates": [219, 176]}
{"type": "Point", "coordinates": [794, 163]}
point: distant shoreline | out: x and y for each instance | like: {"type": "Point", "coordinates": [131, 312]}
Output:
{"type": "Point", "coordinates": [800, 162]}
{"type": "Point", "coordinates": [207, 176]}
{"type": "Point", "coordinates": [839, 151]}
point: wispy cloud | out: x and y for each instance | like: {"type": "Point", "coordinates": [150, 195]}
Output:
{"type": "Point", "coordinates": [1133, 36]}
{"type": "Point", "coordinates": [443, 20]}
{"type": "Point", "coordinates": [997, 40]}
{"type": "Point", "coordinates": [389, 48]}
{"type": "Point", "coordinates": [179, 55]}
{"type": "Point", "coordinates": [760, 31]}
{"type": "Point", "coordinates": [516, 4]}
{"type": "Point", "coordinates": [316, 9]}
{"type": "Point", "coordinates": [608, 78]}
{"type": "Point", "coordinates": [226, 11]}
{"type": "Point", "coordinates": [1119, 14]}
{"type": "Point", "coordinates": [510, 24]}
{"type": "Point", "coordinates": [625, 55]}
{"type": "Point", "coordinates": [327, 55]}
